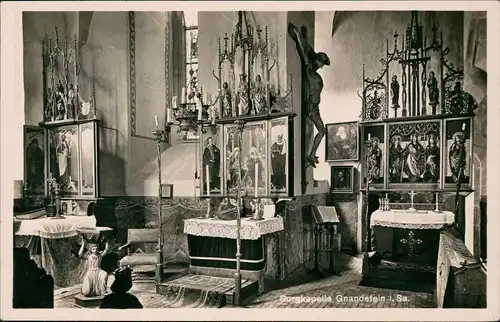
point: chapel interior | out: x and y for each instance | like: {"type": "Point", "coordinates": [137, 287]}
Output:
{"type": "Point", "coordinates": [231, 153]}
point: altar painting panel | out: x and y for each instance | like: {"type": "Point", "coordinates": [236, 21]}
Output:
{"type": "Point", "coordinates": [246, 150]}
{"type": "Point", "coordinates": [414, 154]}
{"type": "Point", "coordinates": [278, 134]}
{"type": "Point", "coordinates": [88, 162]}
{"type": "Point", "coordinates": [457, 152]}
{"type": "Point", "coordinates": [63, 159]}
{"type": "Point", "coordinates": [211, 160]}
{"type": "Point", "coordinates": [374, 154]}
{"type": "Point", "coordinates": [35, 153]}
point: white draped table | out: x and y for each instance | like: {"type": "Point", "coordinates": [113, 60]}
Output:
{"type": "Point", "coordinates": [411, 219]}
{"type": "Point", "coordinates": [55, 238]}
{"type": "Point", "coordinates": [250, 229]}
{"type": "Point", "coordinates": [47, 227]}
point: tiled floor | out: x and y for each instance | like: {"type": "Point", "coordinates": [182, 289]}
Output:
{"type": "Point", "coordinates": [330, 292]}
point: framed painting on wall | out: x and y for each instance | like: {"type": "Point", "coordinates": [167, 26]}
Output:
{"type": "Point", "coordinates": [342, 142]}
{"type": "Point", "coordinates": [88, 155]}
{"type": "Point", "coordinates": [64, 159]}
{"type": "Point", "coordinates": [457, 152]}
{"type": "Point", "coordinates": [342, 179]}
{"type": "Point", "coordinates": [212, 169]}
{"type": "Point", "coordinates": [246, 151]}
{"type": "Point", "coordinates": [279, 156]}
{"type": "Point", "coordinates": [35, 154]}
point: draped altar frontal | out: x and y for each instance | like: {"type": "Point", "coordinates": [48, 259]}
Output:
{"type": "Point", "coordinates": [212, 245]}
{"type": "Point", "coordinates": [50, 242]}
{"type": "Point", "coordinates": [408, 234]}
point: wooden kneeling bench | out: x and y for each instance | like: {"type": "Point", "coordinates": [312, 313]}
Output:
{"type": "Point", "coordinates": [142, 263]}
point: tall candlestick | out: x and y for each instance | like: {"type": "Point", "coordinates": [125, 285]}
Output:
{"type": "Point", "coordinates": [207, 177]}
{"type": "Point", "coordinates": [183, 98]}
{"type": "Point", "coordinates": [256, 180]}
{"type": "Point", "coordinates": [156, 121]}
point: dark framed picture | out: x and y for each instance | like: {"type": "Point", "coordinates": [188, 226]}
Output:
{"type": "Point", "coordinates": [211, 161]}
{"type": "Point", "coordinates": [88, 154]}
{"type": "Point", "coordinates": [64, 159]}
{"type": "Point", "coordinates": [342, 179]}
{"type": "Point", "coordinates": [278, 134]}
{"type": "Point", "coordinates": [35, 154]}
{"type": "Point", "coordinates": [247, 150]}
{"type": "Point", "coordinates": [342, 142]}
{"type": "Point", "coordinates": [167, 190]}
{"type": "Point", "coordinates": [374, 148]}
{"type": "Point", "coordinates": [414, 153]}
{"type": "Point", "coordinates": [457, 152]}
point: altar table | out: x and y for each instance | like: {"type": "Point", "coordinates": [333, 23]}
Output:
{"type": "Point", "coordinates": [54, 240]}
{"type": "Point", "coordinates": [412, 235]}
{"type": "Point", "coordinates": [212, 245]}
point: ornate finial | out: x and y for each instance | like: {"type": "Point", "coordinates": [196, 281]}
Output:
{"type": "Point", "coordinates": [396, 35]}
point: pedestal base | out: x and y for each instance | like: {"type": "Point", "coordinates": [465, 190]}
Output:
{"type": "Point", "coordinates": [85, 302]}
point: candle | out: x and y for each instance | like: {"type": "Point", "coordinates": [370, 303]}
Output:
{"type": "Point", "coordinates": [200, 109]}
{"type": "Point", "coordinates": [369, 136]}
{"type": "Point", "coordinates": [207, 176]}
{"type": "Point", "coordinates": [174, 102]}
{"type": "Point", "coordinates": [437, 201]}
{"type": "Point", "coordinates": [463, 126]}
{"type": "Point", "coordinates": [213, 115]}
{"type": "Point", "coordinates": [256, 179]}
{"type": "Point", "coordinates": [156, 121]}
{"type": "Point", "coordinates": [183, 98]}
{"type": "Point", "coordinates": [169, 110]}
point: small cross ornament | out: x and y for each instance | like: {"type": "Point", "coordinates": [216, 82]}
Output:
{"type": "Point", "coordinates": [411, 241]}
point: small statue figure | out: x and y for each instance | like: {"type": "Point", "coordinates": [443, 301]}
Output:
{"type": "Point", "coordinates": [259, 96]}
{"type": "Point", "coordinates": [311, 62]}
{"type": "Point", "coordinates": [432, 85]}
{"type": "Point", "coordinates": [95, 281]}
{"type": "Point", "coordinates": [395, 92]}
{"type": "Point", "coordinates": [70, 102]}
{"type": "Point", "coordinates": [374, 160]}
{"type": "Point", "coordinates": [227, 109]}
{"type": "Point", "coordinates": [375, 106]}
{"type": "Point", "coordinates": [242, 96]}
{"type": "Point", "coordinates": [60, 102]}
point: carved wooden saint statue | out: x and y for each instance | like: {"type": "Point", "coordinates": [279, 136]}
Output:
{"type": "Point", "coordinates": [311, 62]}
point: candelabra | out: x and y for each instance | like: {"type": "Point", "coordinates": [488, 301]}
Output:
{"type": "Point", "coordinates": [159, 134]}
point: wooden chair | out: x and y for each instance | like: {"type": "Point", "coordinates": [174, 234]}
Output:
{"type": "Point", "coordinates": [141, 262]}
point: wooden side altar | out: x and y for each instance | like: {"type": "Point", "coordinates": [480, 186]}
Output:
{"type": "Point", "coordinates": [416, 152]}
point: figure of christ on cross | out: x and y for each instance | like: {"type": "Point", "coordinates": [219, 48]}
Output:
{"type": "Point", "coordinates": [411, 241]}
{"type": "Point", "coordinates": [311, 63]}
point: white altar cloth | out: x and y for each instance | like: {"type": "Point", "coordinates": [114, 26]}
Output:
{"type": "Point", "coordinates": [46, 227]}
{"type": "Point", "coordinates": [411, 219]}
{"type": "Point", "coordinates": [250, 229]}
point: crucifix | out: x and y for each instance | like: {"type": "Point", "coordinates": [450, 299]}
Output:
{"type": "Point", "coordinates": [411, 241]}
{"type": "Point", "coordinates": [412, 195]}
